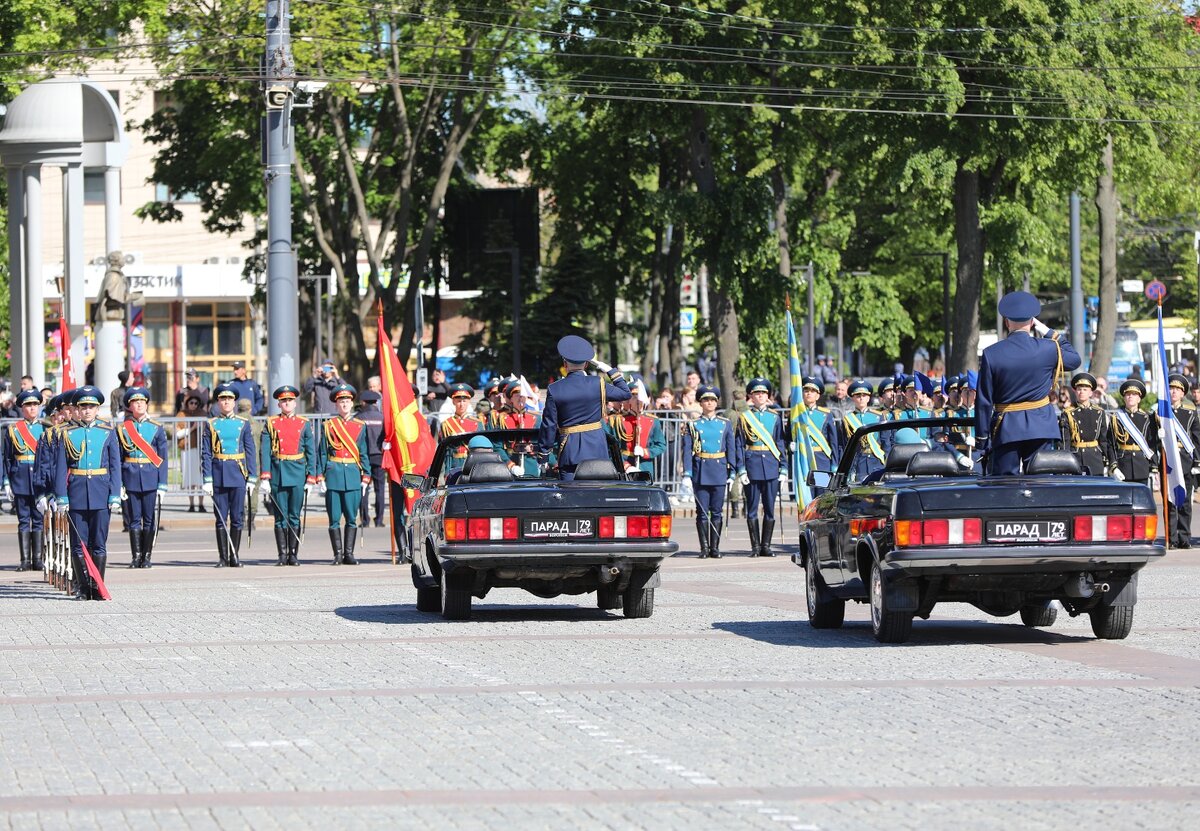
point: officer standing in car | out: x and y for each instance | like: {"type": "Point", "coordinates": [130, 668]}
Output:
{"type": "Point", "coordinates": [1132, 437]}
{"type": "Point", "coordinates": [1016, 376]}
{"type": "Point", "coordinates": [1085, 427]}
{"type": "Point", "coordinates": [762, 455]}
{"type": "Point", "coordinates": [573, 418]}
{"type": "Point", "coordinates": [709, 456]}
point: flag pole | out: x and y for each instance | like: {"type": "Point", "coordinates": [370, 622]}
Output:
{"type": "Point", "coordinates": [391, 491]}
{"type": "Point", "coordinates": [1162, 455]}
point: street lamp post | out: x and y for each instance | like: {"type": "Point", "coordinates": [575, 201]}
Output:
{"type": "Point", "coordinates": [945, 255]}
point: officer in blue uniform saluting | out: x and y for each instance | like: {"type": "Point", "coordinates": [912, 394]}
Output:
{"type": "Point", "coordinates": [230, 469]}
{"type": "Point", "coordinates": [20, 443]}
{"type": "Point", "coordinates": [143, 473]}
{"type": "Point", "coordinates": [762, 460]}
{"type": "Point", "coordinates": [710, 461]}
{"type": "Point", "coordinates": [87, 485]}
{"type": "Point", "coordinates": [573, 419]}
{"type": "Point", "coordinates": [1016, 377]}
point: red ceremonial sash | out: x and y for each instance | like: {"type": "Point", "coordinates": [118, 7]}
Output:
{"type": "Point", "coordinates": [348, 442]}
{"type": "Point", "coordinates": [30, 441]}
{"type": "Point", "coordinates": [141, 444]}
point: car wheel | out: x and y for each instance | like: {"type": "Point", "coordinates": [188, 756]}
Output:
{"type": "Point", "coordinates": [608, 597]}
{"type": "Point", "coordinates": [638, 602]}
{"type": "Point", "coordinates": [888, 626]}
{"type": "Point", "coordinates": [1112, 623]}
{"type": "Point", "coordinates": [456, 604]}
{"type": "Point", "coordinates": [1039, 614]}
{"type": "Point", "coordinates": [824, 612]}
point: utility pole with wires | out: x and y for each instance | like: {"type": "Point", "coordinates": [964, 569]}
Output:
{"type": "Point", "coordinates": [283, 293]}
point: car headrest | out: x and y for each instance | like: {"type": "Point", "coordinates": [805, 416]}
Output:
{"type": "Point", "coordinates": [933, 463]}
{"type": "Point", "coordinates": [479, 457]}
{"type": "Point", "coordinates": [596, 470]}
{"type": "Point", "coordinates": [487, 472]}
{"type": "Point", "coordinates": [1054, 461]}
{"type": "Point", "coordinates": [898, 457]}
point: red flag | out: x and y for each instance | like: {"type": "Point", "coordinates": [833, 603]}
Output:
{"type": "Point", "coordinates": [64, 348]}
{"type": "Point", "coordinates": [411, 444]}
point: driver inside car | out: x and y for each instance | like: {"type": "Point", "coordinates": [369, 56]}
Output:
{"type": "Point", "coordinates": [477, 444]}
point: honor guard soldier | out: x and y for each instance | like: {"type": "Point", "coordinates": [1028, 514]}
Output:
{"type": "Point", "coordinates": [230, 470]}
{"type": "Point", "coordinates": [1016, 377]}
{"type": "Point", "coordinates": [887, 398]}
{"type": "Point", "coordinates": [573, 419]}
{"type": "Point", "coordinates": [493, 392]}
{"type": "Point", "coordinates": [87, 485]}
{"type": "Point", "coordinates": [1132, 437]}
{"type": "Point", "coordinates": [909, 406]}
{"type": "Point", "coordinates": [20, 444]}
{"type": "Point", "coordinates": [519, 456]}
{"type": "Point", "coordinates": [288, 461]}
{"type": "Point", "coordinates": [639, 434]}
{"type": "Point", "coordinates": [372, 416]}
{"type": "Point", "coordinates": [814, 430]}
{"type": "Point", "coordinates": [1085, 427]}
{"type": "Point", "coordinates": [710, 461]}
{"type": "Point", "coordinates": [953, 394]}
{"type": "Point", "coordinates": [343, 472]}
{"type": "Point", "coordinates": [762, 459]}
{"type": "Point", "coordinates": [871, 451]}
{"type": "Point", "coordinates": [143, 473]}
{"type": "Point", "coordinates": [1179, 524]}
{"type": "Point", "coordinates": [459, 423]}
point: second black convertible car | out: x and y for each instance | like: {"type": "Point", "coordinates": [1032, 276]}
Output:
{"type": "Point", "coordinates": [924, 528]}
{"type": "Point", "coordinates": [479, 527]}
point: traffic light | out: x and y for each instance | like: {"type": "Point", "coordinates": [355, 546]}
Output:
{"type": "Point", "coordinates": [687, 290]}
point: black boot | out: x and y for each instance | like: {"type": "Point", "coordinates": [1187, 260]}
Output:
{"type": "Point", "coordinates": [348, 546]}
{"type": "Point", "coordinates": [23, 540]}
{"type": "Point", "coordinates": [83, 581]}
{"type": "Point", "coordinates": [714, 538]}
{"type": "Point", "coordinates": [147, 546]}
{"type": "Point", "coordinates": [335, 539]}
{"type": "Point", "coordinates": [702, 534]}
{"type": "Point", "coordinates": [752, 525]}
{"type": "Point", "coordinates": [222, 548]}
{"type": "Point", "coordinates": [734, 510]}
{"type": "Point", "coordinates": [281, 544]}
{"type": "Point", "coordinates": [768, 529]}
{"type": "Point", "coordinates": [35, 550]}
{"type": "Point", "coordinates": [235, 535]}
{"type": "Point", "coordinates": [135, 548]}
{"type": "Point", "coordinates": [293, 546]}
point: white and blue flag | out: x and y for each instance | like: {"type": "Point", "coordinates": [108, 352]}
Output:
{"type": "Point", "coordinates": [1171, 429]}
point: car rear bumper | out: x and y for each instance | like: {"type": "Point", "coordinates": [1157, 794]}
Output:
{"type": "Point", "coordinates": [555, 554]}
{"type": "Point", "coordinates": [1043, 558]}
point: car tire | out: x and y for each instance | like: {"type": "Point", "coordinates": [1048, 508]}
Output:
{"type": "Point", "coordinates": [608, 597]}
{"type": "Point", "coordinates": [1112, 623]}
{"type": "Point", "coordinates": [456, 604]}
{"type": "Point", "coordinates": [888, 626]}
{"type": "Point", "coordinates": [824, 612]}
{"type": "Point", "coordinates": [1039, 614]}
{"type": "Point", "coordinates": [638, 603]}
{"type": "Point", "coordinates": [428, 599]}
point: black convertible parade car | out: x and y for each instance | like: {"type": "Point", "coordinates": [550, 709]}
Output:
{"type": "Point", "coordinates": [921, 529]}
{"type": "Point", "coordinates": [480, 527]}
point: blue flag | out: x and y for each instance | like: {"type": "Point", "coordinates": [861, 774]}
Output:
{"type": "Point", "coordinates": [1176, 484]}
{"type": "Point", "coordinates": [802, 454]}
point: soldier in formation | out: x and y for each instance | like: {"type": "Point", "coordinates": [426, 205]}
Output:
{"type": "Point", "coordinates": [288, 464]}
{"type": "Point", "coordinates": [143, 474]}
{"type": "Point", "coordinates": [343, 473]}
{"type": "Point", "coordinates": [710, 463]}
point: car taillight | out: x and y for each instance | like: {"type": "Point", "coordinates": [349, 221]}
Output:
{"type": "Point", "coordinates": [481, 528]}
{"type": "Point", "coordinates": [935, 532]}
{"type": "Point", "coordinates": [511, 528]}
{"type": "Point", "coordinates": [660, 526]}
{"type": "Point", "coordinates": [608, 527]}
{"type": "Point", "coordinates": [455, 529]}
{"type": "Point", "coordinates": [478, 528]}
{"type": "Point", "coordinates": [966, 531]}
{"type": "Point", "coordinates": [1115, 527]}
{"type": "Point", "coordinates": [637, 526]}
{"type": "Point", "coordinates": [657, 526]}
{"type": "Point", "coordinates": [908, 532]}
{"type": "Point", "coordinates": [1145, 526]}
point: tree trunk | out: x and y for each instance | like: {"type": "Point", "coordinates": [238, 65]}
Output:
{"type": "Point", "coordinates": [1107, 207]}
{"type": "Point", "coordinates": [969, 240]}
{"type": "Point", "coordinates": [725, 332]}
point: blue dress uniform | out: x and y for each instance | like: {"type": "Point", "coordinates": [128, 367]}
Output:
{"type": "Point", "coordinates": [288, 461]}
{"type": "Point", "coordinates": [230, 468]}
{"type": "Point", "coordinates": [573, 419]}
{"type": "Point", "coordinates": [372, 416]}
{"type": "Point", "coordinates": [343, 468]}
{"type": "Point", "coordinates": [20, 442]}
{"type": "Point", "coordinates": [709, 455]}
{"type": "Point", "coordinates": [1016, 376]}
{"type": "Point", "coordinates": [906, 408]}
{"type": "Point", "coordinates": [762, 456]}
{"type": "Point", "coordinates": [873, 449]}
{"type": "Point", "coordinates": [87, 483]}
{"type": "Point", "coordinates": [815, 431]}
{"type": "Point", "coordinates": [143, 476]}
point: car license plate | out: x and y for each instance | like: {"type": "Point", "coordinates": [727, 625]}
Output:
{"type": "Point", "coordinates": [559, 528]}
{"type": "Point", "coordinates": [1027, 530]}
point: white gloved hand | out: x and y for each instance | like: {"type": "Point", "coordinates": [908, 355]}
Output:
{"type": "Point", "coordinates": [264, 487]}
{"type": "Point", "coordinates": [322, 488]}
{"type": "Point", "coordinates": [124, 495]}
{"type": "Point", "coordinates": [308, 486]}
{"type": "Point", "coordinates": [639, 451]}
{"type": "Point", "coordinates": [969, 441]}
{"type": "Point", "coordinates": [1162, 435]}
{"type": "Point", "coordinates": [43, 503]}
{"type": "Point", "coordinates": [1196, 471]}
{"type": "Point", "coordinates": [250, 485]}
{"type": "Point", "coordinates": [965, 462]}
{"type": "Point", "coordinates": [387, 445]}
{"type": "Point", "coordinates": [1117, 474]}
{"type": "Point", "coordinates": [600, 365]}
{"type": "Point", "coordinates": [8, 493]}
{"type": "Point", "coordinates": [745, 478]}
{"type": "Point", "coordinates": [1041, 328]}
{"type": "Point", "coordinates": [207, 488]}
{"type": "Point", "coordinates": [783, 476]}
{"type": "Point", "coordinates": [630, 468]}
{"type": "Point", "coordinates": [517, 471]}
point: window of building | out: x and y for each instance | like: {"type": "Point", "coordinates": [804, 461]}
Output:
{"type": "Point", "coordinates": [162, 193]}
{"type": "Point", "coordinates": [218, 333]}
{"type": "Point", "coordinates": [93, 187]}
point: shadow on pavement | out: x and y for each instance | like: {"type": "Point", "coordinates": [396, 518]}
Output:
{"type": "Point", "coordinates": [857, 634]}
{"type": "Point", "coordinates": [33, 589]}
{"type": "Point", "coordinates": [482, 614]}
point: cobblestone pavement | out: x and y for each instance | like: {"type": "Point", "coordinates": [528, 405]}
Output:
{"type": "Point", "coordinates": [318, 697]}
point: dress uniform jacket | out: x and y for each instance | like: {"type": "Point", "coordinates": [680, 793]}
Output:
{"type": "Point", "coordinates": [227, 457]}
{"type": "Point", "coordinates": [139, 472]}
{"type": "Point", "coordinates": [288, 456]}
{"type": "Point", "coordinates": [512, 451]}
{"type": "Point", "coordinates": [637, 430]}
{"type": "Point", "coordinates": [819, 427]}
{"type": "Point", "coordinates": [45, 458]}
{"type": "Point", "coordinates": [709, 451]}
{"type": "Point", "coordinates": [573, 419]}
{"type": "Point", "coordinates": [1085, 433]}
{"type": "Point", "coordinates": [87, 473]}
{"type": "Point", "coordinates": [872, 449]}
{"type": "Point", "coordinates": [1016, 376]}
{"type": "Point", "coordinates": [21, 441]}
{"type": "Point", "coordinates": [1124, 453]}
{"type": "Point", "coordinates": [455, 426]}
{"type": "Point", "coordinates": [761, 459]}
{"type": "Point", "coordinates": [344, 457]}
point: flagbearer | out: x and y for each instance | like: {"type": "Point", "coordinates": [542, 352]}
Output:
{"type": "Point", "coordinates": [1188, 423]}
{"type": "Point", "coordinates": [460, 423]}
{"type": "Point", "coordinates": [87, 485]}
{"type": "Point", "coordinates": [230, 469]}
{"type": "Point", "coordinates": [1085, 427]}
{"type": "Point", "coordinates": [143, 473]}
{"type": "Point", "coordinates": [710, 461]}
{"type": "Point", "coordinates": [1132, 437]}
{"type": "Point", "coordinates": [343, 471]}
{"type": "Point", "coordinates": [871, 452]}
{"type": "Point", "coordinates": [814, 430]}
{"type": "Point", "coordinates": [639, 434]}
{"type": "Point", "coordinates": [20, 445]}
{"type": "Point", "coordinates": [520, 456]}
{"type": "Point", "coordinates": [289, 470]}
{"type": "Point", "coordinates": [761, 454]}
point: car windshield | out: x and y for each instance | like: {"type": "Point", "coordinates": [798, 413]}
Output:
{"type": "Point", "coordinates": [515, 450]}
{"type": "Point", "coordinates": [884, 452]}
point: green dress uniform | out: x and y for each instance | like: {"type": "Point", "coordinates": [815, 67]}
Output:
{"type": "Point", "coordinates": [344, 470]}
